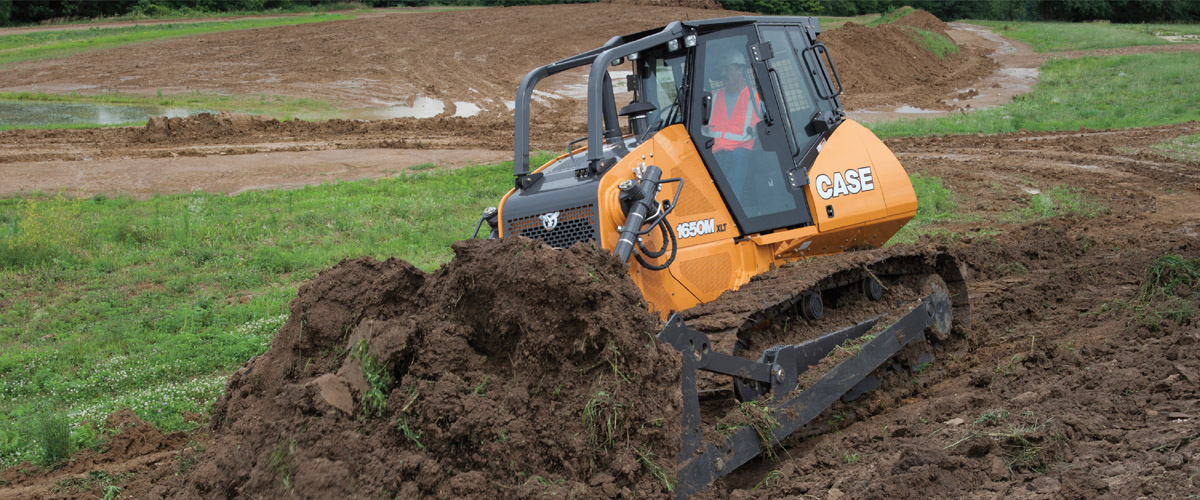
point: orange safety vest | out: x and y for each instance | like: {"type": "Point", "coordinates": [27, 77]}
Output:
{"type": "Point", "coordinates": [734, 131]}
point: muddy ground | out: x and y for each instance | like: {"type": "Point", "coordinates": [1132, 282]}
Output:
{"type": "Point", "coordinates": [1067, 386]}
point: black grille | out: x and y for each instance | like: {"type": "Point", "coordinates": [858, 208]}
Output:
{"type": "Point", "coordinates": [574, 225]}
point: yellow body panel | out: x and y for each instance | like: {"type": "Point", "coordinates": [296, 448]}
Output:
{"type": "Point", "coordinates": [707, 265]}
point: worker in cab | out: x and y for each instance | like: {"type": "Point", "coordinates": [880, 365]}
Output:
{"type": "Point", "coordinates": [736, 111]}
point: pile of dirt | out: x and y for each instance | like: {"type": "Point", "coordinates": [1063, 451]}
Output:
{"type": "Point", "coordinates": [886, 65]}
{"type": "Point", "coordinates": [222, 124]}
{"type": "Point", "coordinates": [515, 370]}
{"type": "Point", "coordinates": [926, 21]}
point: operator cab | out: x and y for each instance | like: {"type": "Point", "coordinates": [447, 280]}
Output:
{"type": "Point", "coordinates": [757, 100]}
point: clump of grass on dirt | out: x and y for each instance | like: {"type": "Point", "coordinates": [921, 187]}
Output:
{"type": "Point", "coordinates": [1060, 200]}
{"type": "Point", "coordinates": [1184, 148]}
{"type": "Point", "coordinates": [113, 302]}
{"type": "Point", "coordinates": [1025, 441]}
{"type": "Point", "coordinates": [1059, 37]}
{"type": "Point", "coordinates": [1169, 292]}
{"type": "Point", "coordinates": [602, 415]}
{"type": "Point", "coordinates": [935, 204]}
{"type": "Point", "coordinates": [757, 416]}
{"type": "Point", "coordinates": [892, 16]}
{"type": "Point", "coordinates": [939, 45]}
{"type": "Point", "coordinates": [51, 44]}
{"type": "Point", "coordinates": [1089, 92]}
{"type": "Point", "coordinates": [374, 400]}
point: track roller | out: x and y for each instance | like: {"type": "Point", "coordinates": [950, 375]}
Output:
{"type": "Point", "coordinates": [812, 307]}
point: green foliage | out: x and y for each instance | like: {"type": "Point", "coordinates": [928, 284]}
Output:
{"type": "Point", "coordinates": [935, 203]}
{"type": "Point", "coordinates": [53, 436]}
{"type": "Point", "coordinates": [939, 45]}
{"type": "Point", "coordinates": [1184, 148]}
{"type": "Point", "coordinates": [602, 415]}
{"type": "Point", "coordinates": [1088, 92]}
{"type": "Point", "coordinates": [1060, 200]}
{"type": "Point", "coordinates": [1170, 276]}
{"type": "Point", "coordinates": [42, 229]}
{"type": "Point", "coordinates": [892, 16]}
{"type": "Point", "coordinates": [280, 107]}
{"type": "Point", "coordinates": [1059, 37]}
{"type": "Point", "coordinates": [649, 460]}
{"type": "Point", "coordinates": [152, 303]}
{"type": "Point", "coordinates": [51, 44]}
{"type": "Point", "coordinates": [374, 400]}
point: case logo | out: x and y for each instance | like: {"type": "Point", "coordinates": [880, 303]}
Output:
{"type": "Point", "coordinates": [852, 181]}
{"type": "Point", "coordinates": [549, 221]}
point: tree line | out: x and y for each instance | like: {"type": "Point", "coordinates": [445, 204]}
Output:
{"type": "Point", "coordinates": [19, 12]}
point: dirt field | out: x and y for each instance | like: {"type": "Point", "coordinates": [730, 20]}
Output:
{"type": "Point", "coordinates": [1067, 386]}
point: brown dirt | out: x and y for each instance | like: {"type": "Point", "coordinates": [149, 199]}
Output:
{"type": "Point", "coordinates": [493, 361]}
{"type": "Point", "coordinates": [1065, 388]}
{"type": "Point", "coordinates": [385, 59]}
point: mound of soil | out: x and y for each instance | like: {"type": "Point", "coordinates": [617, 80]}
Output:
{"type": "Point", "coordinates": [205, 125]}
{"type": "Point", "coordinates": [886, 65]}
{"type": "Point", "coordinates": [924, 20]}
{"type": "Point", "coordinates": [516, 370]}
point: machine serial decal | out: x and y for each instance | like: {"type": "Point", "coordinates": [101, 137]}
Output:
{"type": "Point", "coordinates": [549, 221]}
{"type": "Point", "coordinates": [698, 228]}
{"type": "Point", "coordinates": [852, 181]}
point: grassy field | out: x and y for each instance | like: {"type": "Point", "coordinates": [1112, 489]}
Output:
{"type": "Point", "coordinates": [280, 107]}
{"type": "Point", "coordinates": [1058, 37]}
{"type": "Point", "coordinates": [1092, 92]}
{"type": "Point", "coordinates": [50, 44]}
{"type": "Point", "coordinates": [149, 304]}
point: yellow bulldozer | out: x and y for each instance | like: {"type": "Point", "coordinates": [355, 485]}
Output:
{"type": "Point", "coordinates": [755, 213]}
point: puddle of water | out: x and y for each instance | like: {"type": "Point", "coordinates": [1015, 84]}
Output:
{"type": "Point", "coordinates": [422, 107]}
{"type": "Point", "coordinates": [31, 113]}
{"type": "Point", "coordinates": [464, 109]}
{"type": "Point", "coordinates": [914, 110]}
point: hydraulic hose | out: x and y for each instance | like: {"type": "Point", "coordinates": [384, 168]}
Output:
{"type": "Point", "coordinates": [642, 202]}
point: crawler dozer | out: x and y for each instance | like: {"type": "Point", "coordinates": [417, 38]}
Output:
{"type": "Point", "coordinates": [755, 224]}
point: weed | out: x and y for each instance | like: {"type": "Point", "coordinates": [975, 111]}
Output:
{"type": "Point", "coordinates": [280, 462]}
{"type": "Point", "coordinates": [992, 417]}
{"type": "Point", "coordinates": [935, 203]}
{"type": "Point", "coordinates": [850, 458]}
{"type": "Point", "coordinates": [602, 415]}
{"type": "Point", "coordinates": [53, 436]}
{"type": "Point", "coordinates": [774, 475]}
{"type": "Point", "coordinates": [409, 433]}
{"type": "Point", "coordinates": [1167, 292]}
{"type": "Point", "coordinates": [1170, 276]}
{"type": "Point", "coordinates": [374, 400]}
{"type": "Point", "coordinates": [647, 458]}
{"type": "Point", "coordinates": [481, 388]}
{"type": "Point", "coordinates": [1060, 200]}
{"type": "Point", "coordinates": [1013, 267]}
{"type": "Point", "coordinates": [756, 416]}
{"type": "Point", "coordinates": [111, 492]}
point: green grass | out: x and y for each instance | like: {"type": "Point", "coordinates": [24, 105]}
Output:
{"type": "Point", "coordinates": [50, 44]}
{"type": "Point", "coordinates": [149, 304]}
{"type": "Point", "coordinates": [1059, 37]}
{"type": "Point", "coordinates": [276, 106]}
{"type": "Point", "coordinates": [1089, 92]}
{"type": "Point", "coordinates": [1057, 201]}
{"type": "Point", "coordinates": [935, 203]}
{"type": "Point", "coordinates": [892, 16]}
{"type": "Point", "coordinates": [829, 23]}
{"type": "Point", "coordinates": [933, 42]}
{"type": "Point", "coordinates": [1184, 147]}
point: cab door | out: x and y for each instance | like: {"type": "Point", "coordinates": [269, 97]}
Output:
{"type": "Point", "coordinates": [748, 165]}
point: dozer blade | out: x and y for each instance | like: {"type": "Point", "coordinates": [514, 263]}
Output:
{"type": "Point", "coordinates": [780, 368]}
